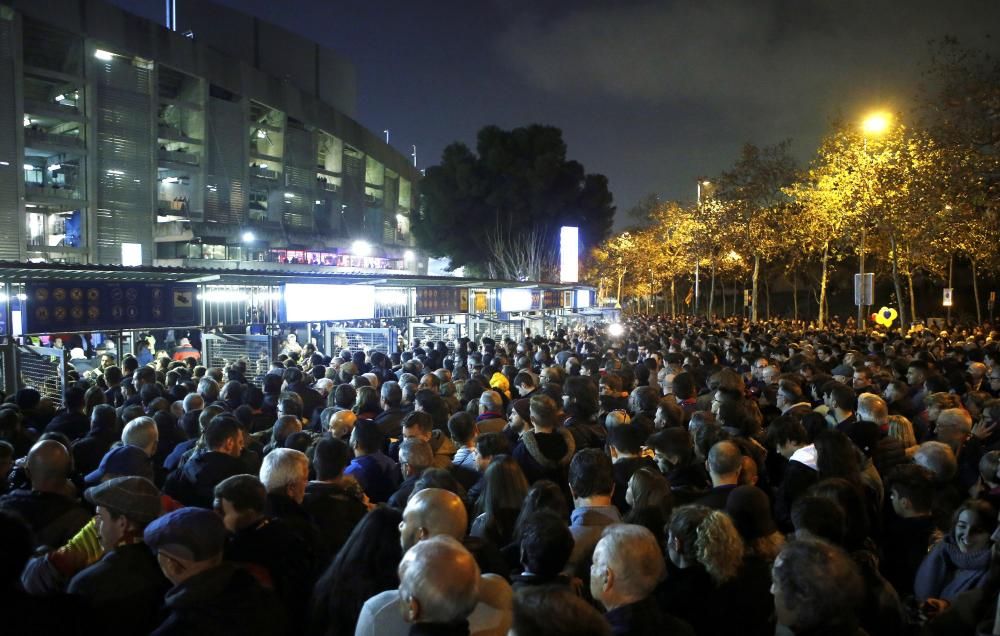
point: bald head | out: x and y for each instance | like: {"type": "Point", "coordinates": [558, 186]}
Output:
{"type": "Point", "coordinates": [438, 581]}
{"type": "Point", "coordinates": [342, 423]}
{"type": "Point", "coordinates": [432, 512]}
{"type": "Point", "coordinates": [48, 466]}
{"type": "Point", "coordinates": [724, 460]}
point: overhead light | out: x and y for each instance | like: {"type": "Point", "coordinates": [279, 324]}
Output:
{"type": "Point", "coordinates": [104, 56]}
{"type": "Point", "coordinates": [361, 248]}
{"type": "Point", "coordinates": [616, 330]}
{"type": "Point", "coordinates": [30, 205]}
{"type": "Point", "coordinates": [318, 202]}
{"type": "Point", "coordinates": [28, 166]}
{"type": "Point", "coordinates": [55, 166]}
{"type": "Point", "coordinates": [60, 97]}
{"type": "Point", "coordinates": [289, 195]}
{"type": "Point", "coordinates": [171, 180]}
{"type": "Point", "coordinates": [4, 163]}
{"type": "Point", "coordinates": [116, 172]}
{"type": "Point", "coordinates": [261, 134]}
{"type": "Point", "coordinates": [248, 237]}
{"type": "Point", "coordinates": [408, 256]}
{"type": "Point", "coordinates": [27, 121]}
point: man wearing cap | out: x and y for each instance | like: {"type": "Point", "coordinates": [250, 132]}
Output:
{"type": "Point", "coordinates": [126, 586]}
{"type": "Point", "coordinates": [208, 596]}
{"type": "Point", "coordinates": [121, 461]}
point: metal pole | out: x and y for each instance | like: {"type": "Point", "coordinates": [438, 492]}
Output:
{"type": "Point", "coordinates": [861, 257]}
{"type": "Point", "coordinates": [951, 261]}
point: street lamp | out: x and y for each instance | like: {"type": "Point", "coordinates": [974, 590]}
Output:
{"type": "Point", "coordinates": [876, 123]}
{"type": "Point", "coordinates": [248, 237]}
{"type": "Point", "coordinates": [697, 262]}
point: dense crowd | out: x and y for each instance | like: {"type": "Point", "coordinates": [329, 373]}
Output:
{"type": "Point", "coordinates": [678, 477]}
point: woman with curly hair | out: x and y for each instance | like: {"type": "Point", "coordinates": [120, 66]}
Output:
{"type": "Point", "coordinates": [706, 572]}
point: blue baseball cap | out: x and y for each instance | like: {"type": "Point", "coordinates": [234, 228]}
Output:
{"type": "Point", "coordinates": [192, 534]}
{"type": "Point", "coordinates": [122, 461]}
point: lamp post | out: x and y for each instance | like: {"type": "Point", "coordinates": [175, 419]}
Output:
{"type": "Point", "coordinates": [697, 262]}
{"type": "Point", "coordinates": [874, 124]}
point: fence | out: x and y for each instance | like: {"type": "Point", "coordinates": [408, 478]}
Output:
{"type": "Point", "coordinates": [222, 349]}
{"type": "Point", "coordinates": [496, 329]}
{"type": "Point", "coordinates": [360, 339]}
{"type": "Point", "coordinates": [43, 369]}
{"type": "Point", "coordinates": [448, 332]}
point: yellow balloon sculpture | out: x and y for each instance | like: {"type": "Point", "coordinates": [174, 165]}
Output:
{"type": "Point", "coordinates": [886, 316]}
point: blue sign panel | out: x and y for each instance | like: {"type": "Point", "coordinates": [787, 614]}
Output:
{"type": "Point", "coordinates": [57, 306]}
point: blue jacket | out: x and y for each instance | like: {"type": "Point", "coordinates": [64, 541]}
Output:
{"type": "Point", "coordinates": [947, 572]}
{"type": "Point", "coordinates": [377, 474]}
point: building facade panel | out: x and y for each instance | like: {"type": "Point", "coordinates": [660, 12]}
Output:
{"type": "Point", "coordinates": [12, 245]}
{"type": "Point", "coordinates": [125, 187]}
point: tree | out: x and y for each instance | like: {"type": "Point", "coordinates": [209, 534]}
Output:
{"type": "Point", "coordinates": [959, 106]}
{"type": "Point", "coordinates": [498, 210]}
{"type": "Point", "coordinates": [753, 197]}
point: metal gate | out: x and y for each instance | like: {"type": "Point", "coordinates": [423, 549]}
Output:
{"type": "Point", "coordinates": [447, 332]}
{"type": "Point", "coordinates": [496, 329]}
{"type": "Point", "coordinates": [43, 369]}
{"type": "Point", "coordinates": [361, 339]}
{"type": "Point", "coordinates": [257, 351]}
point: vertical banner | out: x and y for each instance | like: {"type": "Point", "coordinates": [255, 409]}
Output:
{"type": "Point", "coordinates": [569, 254]}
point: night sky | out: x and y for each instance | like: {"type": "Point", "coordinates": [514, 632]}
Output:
{"type": "Point", "coordinates": [651, 94]}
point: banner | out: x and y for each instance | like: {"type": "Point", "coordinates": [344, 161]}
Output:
{"type": "Point", "coordinates": [94, 306]}
{"type": "Point", "coordinates": [442, 300]}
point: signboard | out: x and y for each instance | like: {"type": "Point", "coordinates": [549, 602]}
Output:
{"type": "Point", "coordinates": [569, 254]}
{"type": "Point", "coordinates": [864, 294]}
{"type": "Point", "coordinates": [946, 300]}
{"type": "Point", "coordinates": [481, 301]}
{"type": "Point", "coordinates": [90, 305]}
{"type": "Point", "coordinates": [314, 302]}
{"type": "Point", "coordinates": [442, 300]}
{"type": "Point", "coordinates": [551, 299]}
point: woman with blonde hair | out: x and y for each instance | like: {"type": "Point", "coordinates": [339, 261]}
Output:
{"type": "Point", "coordinates": [707, 572]}
{"type": "Point", "coordinates": [901, 429]}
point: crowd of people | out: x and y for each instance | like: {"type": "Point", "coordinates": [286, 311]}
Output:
{"type": "Point", "coordinates": [678, 477]}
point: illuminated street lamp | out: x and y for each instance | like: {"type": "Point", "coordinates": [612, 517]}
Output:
{"type": "Point", "coordinates": [248, 237]}
{"type": "Point", "coordinates": [875, 124]}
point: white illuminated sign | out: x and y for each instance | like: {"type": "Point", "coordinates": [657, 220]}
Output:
{"type": "Point", "coordinates": [583, 298]}
{"type": "Point", "coordinates": [515, 300]}
{"type": "Point", "coordinates": [131, 254]}
{"type": "Point", "coordinates": [569, 254]}
{"type": "Point", "coordinates": [305, 303]}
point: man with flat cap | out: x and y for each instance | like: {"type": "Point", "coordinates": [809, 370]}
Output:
{"type": "Point", "coordinates": [125, 587]}
{"type": "Point", "coordinates": [208, 596]}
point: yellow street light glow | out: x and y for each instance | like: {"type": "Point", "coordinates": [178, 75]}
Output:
{"type": "Point", "coordinates": [876, 123]}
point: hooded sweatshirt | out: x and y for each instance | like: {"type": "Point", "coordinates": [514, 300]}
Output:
{"type": "Point", "coordinates": [545, 455]}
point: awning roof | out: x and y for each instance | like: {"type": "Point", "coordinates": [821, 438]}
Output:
{"type": "Point", "coordinates": [17, 272]}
